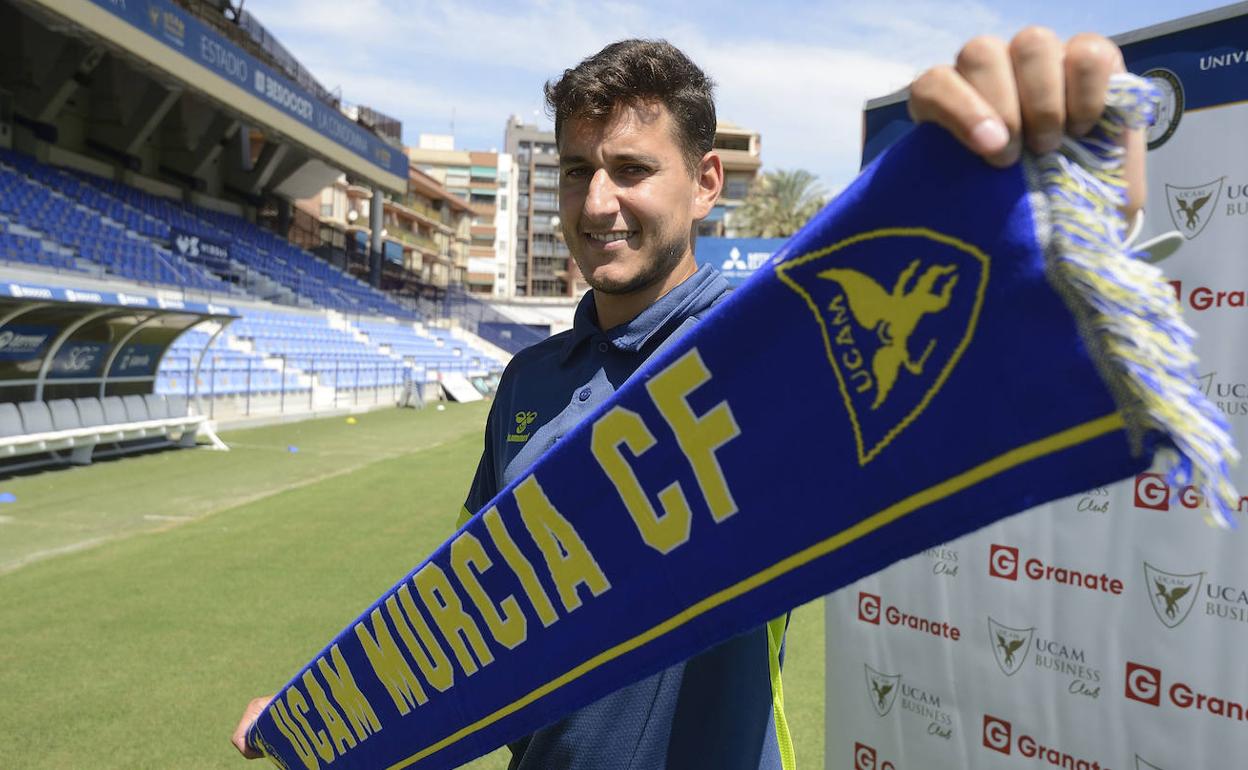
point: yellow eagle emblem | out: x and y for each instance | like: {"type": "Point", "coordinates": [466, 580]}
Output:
{"type": "Point", "coordinates": [896, 308]}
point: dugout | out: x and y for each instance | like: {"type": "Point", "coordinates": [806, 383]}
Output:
{"type": "Point", "coordinates": [68, 344]}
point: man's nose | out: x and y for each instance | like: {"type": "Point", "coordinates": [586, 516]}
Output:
{"type": "Point", "coordinates": [601, 200]}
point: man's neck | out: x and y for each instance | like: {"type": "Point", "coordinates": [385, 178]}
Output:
{"type": "Point", "coordinates": [616, 309]}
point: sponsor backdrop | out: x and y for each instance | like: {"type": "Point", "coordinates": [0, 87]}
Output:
{"type": "Point", "coordinates": [1110, 629]}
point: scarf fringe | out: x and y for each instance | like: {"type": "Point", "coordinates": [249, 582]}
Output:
{"type": "Point", "coordinates": [1126, 310]}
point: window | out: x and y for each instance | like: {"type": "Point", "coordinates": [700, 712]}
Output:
{"type": "Point", "coordinates": [327, 209]}
{"type": "Point", "coordinates": [736, 188]}
{"type": "Point", "coordinates": [502, 202]}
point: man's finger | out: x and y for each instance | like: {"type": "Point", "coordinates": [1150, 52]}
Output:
{"type": "Point", "coordinates": [943, 97]}
{"type": "Point", "coordinates": [984, 63]}
{"type": "Point", "coordinates": [250, 714]}
{"type": "Point", "coordinates": [1090, 60]}
{"type": "Point", "coordinates": [1037, 55]}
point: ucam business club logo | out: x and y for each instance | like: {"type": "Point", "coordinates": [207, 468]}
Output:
{"type": "Point", "coordinates": [1153, 492]}
{"type": "Point", "coordinates": [886, 690]}
{"type": "Point", "coordinates": [882, 690]}
{"type": "Point", "coordinates": [867, 758]}
{"type": "Point", "coordinates": [1175, 595]}
{"type": "Point", "coordinates": [944, 561]}
{"type": "Point", "coordinates": [895, 309]}
{"type": "Point", "coordinates": [1013, 647]}
{"type": "Point", "coordinates": [1172, 595]}
{"type": "Point", "coordinates": [1009, 645]}
{"type": "Point", "coordinates": [1191, 208]}
{"type": "Point", "coordinates": [1005, 562]}
{"type": "Point", "coordinates": [999, 736]}
{"type": "Point", "coordinates": [1147, 685]}
{"type": "Point", "coordinates": [872, 610]}
{"type": "Point", "coordinates": [1095, 500]}
{"type": "Point", "coordinates": [1230, 397]}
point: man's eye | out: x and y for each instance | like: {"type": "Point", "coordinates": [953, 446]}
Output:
{"type": "Point", "coordinates": [575, 173]}
{"type": "Point", "coordinates": [635, 170]}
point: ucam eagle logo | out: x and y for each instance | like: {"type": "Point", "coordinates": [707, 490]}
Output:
{"type": "Point", "coordinates": [881, 689]}
{"type": "Point", "coordinates": [1191, 208]}
{"type": "Point", "coordinates": [1009, 645]}
{"type": "Point", "coordinates": [1172, 596]}
{"type": "Point", "coordinates": [896, 308]}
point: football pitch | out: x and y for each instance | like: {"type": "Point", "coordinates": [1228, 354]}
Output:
{"type": "Point", "coordinates": [144, 601]}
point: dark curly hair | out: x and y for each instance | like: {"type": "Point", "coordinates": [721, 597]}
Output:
{"type": "Point", "coordinates": [634, 72]}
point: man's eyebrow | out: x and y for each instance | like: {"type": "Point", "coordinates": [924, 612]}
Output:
{"type": "Point", "coordinates": [624, 157]}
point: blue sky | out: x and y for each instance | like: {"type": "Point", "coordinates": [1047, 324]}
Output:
{"type": "Point", "coordinates": [798, 72]}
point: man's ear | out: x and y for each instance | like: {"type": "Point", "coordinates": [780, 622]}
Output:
{"type": "Point", "coordinates": [708, 183]}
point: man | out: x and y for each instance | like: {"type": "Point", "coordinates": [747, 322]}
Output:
{"type": "Point", "coordinates": [635, 125]}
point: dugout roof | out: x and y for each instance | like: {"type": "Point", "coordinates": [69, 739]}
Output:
{"type": "Point", "coordinates": [66, 343]}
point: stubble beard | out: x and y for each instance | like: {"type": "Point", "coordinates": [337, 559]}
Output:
{"type": "Point", "coordinates": [667, 257]}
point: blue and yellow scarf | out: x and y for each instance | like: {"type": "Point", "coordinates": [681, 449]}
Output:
{"type": "Point", "coordinates": [945, 345]}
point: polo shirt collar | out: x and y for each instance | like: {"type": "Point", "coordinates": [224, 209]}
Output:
{"type": "Point", "coordinates": [696, 293]}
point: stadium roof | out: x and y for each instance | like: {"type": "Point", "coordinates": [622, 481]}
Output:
{"type": "Point", "coordinates": [185, 53]}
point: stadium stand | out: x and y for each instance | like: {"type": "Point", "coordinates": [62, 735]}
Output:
{"type": "Point", "coordinates": [141, 299]}
{"type": "Point", "coordinates": [56, 218]}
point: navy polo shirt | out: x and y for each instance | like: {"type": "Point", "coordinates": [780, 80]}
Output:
{"type": "Point", "coordinates": [715, 710]}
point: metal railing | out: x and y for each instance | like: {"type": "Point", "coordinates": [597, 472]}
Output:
{"type": "Point", "coordinates": [394, 381]}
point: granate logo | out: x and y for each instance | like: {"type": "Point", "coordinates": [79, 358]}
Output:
{"type": "Point", "coordinates": [867, 758]}
{"type": "Point", "coordinates": [895, 308]}
{"type": "Point", "coordinates": [873, 610]}
{"type": "Point", "coordinates": [868, 608]}
{"type": "Point", "coordinates": [1004, 562]}
{"type": "Point", "coordinates": [1144, 684]}
{"type": "Point", "coordinates": [1153, 493]}
{"type": "Point", "coordinates": [998, 734]}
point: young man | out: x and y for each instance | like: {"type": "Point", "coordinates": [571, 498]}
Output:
{"type": "Point", "coordinates": [635, 125]}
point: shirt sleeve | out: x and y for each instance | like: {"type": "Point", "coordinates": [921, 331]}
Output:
{"type": "Point", "coordinates": [485, 482]}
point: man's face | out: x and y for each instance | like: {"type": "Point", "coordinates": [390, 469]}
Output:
{"type": "Point", "coordinates": [627, 200]}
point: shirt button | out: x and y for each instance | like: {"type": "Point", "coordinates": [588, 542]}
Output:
{"type": "Point", "coordinates": [584, 394]}
{"type": "Point", "coordinates": [603, 347]}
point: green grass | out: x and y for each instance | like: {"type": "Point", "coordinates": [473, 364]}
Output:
{"type": "Point", "coordinates": [133, 636]}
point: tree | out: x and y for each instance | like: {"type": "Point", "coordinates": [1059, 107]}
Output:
{"type": "Point", "coordinates": [778, 204]}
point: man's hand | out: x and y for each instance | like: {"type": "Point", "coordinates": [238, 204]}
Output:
{"type": "Point", "coordinates": [1000, 97]}
{"type": "Point", "coordinates": [250, 714]}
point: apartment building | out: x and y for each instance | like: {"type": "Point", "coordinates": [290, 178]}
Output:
{"type": "Point", "coordinates": [484, 182]}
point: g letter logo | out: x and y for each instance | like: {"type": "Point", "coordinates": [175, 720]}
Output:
{"type": "Point", "coordinates": [1003, 562]}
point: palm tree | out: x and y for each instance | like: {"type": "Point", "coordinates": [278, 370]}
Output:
{"type": "Point", "coordinates": [778, 204]}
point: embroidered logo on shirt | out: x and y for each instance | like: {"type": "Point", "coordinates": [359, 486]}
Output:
{"type": "Point", "coordinates": [523, 421]}
{"type": "Point", "coordinates": [896, 308]}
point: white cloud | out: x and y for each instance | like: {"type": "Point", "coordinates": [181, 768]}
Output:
{"type": "Point", "coordinates": [410, 59]}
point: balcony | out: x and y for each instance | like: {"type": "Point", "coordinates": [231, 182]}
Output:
{"type": "Point", "coordinates": [739, 160]}
{"type": "Point", "coordinates": [422, 242]}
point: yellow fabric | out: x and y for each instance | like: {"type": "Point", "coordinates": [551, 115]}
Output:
{"type": "Point", "coordinates": [775, 638]}
{"type": "Point", "coordinates": [464, 516]}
